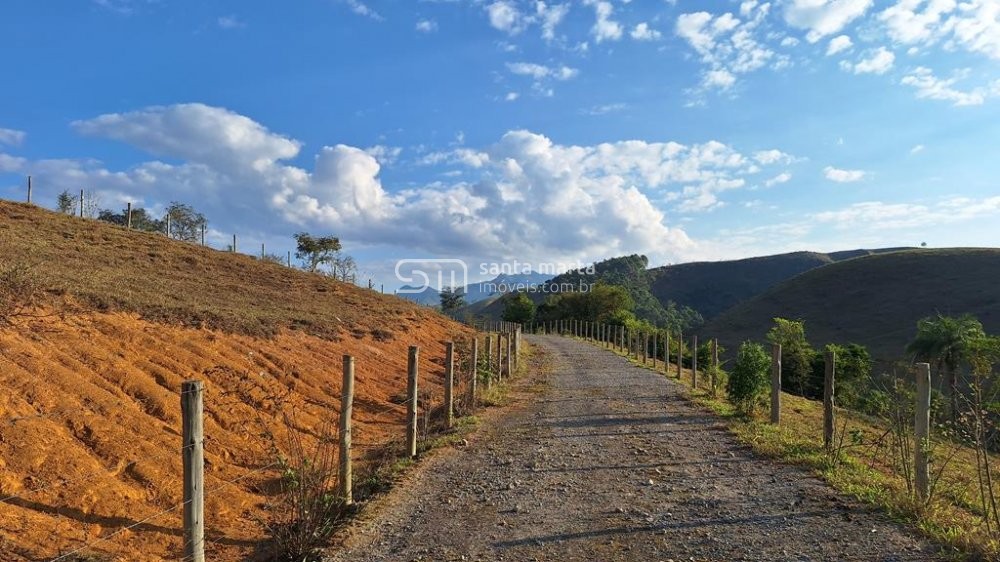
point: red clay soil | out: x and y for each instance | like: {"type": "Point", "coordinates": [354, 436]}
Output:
{"type": "Point", "coordinates": [90, 424]}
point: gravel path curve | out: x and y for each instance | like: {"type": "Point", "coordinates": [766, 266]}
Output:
{"type": "Point", "coordinates": [610, 462]}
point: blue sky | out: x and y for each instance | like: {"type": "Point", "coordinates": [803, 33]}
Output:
{"type": "Point", "coordinates": [496, 130]}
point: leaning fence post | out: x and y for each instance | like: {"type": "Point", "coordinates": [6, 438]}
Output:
{"type": "Point", "coordinates": [776, 383]}
{"type": "Point", "coordinates": [475, 371]}
{"type": "Point", "coordinates": [193, 454]}
{"type": "Point", "coordinates": [346, 412]}
{"type": "Point", "coordinates": [449, 383]}
{"type": "Point", "coordinates": [411, 402]}
{"type": "Point", "coordinates": [694, 362]}
{"type": "Point", "coordinates": [829, 421]}
{"type": "Point", "coordinates": [922, 426]}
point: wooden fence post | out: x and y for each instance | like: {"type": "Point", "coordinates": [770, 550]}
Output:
{"type": "Point", "coordinates": [489, 361]}
{"type": "Point", "coordinates": [234, 243]}
{"type": "Point", "coordinates": [510, 361]}
{"type": "Point", "coordinates": [81, 203]}
{"type": "Point", "coordinates": [644, 341]}
{"type": "Point", "coordinates": [656, 339]}
{"type": "Point", "coordinates": [29, 189]}
{"type": "Point", "coordinates": [680, 353]}
{"type": "Point", "coordinates": [922, 426]}
{"type": "Point", "coordinates": [474, 379]}
{"type": "Point", "coordinates": [346, 412]}
{"type": "Point", "coordinates": [500, 357]}
{"type": "Point", "coordinates": [449, 383]}
{"type": "Point", "coordinates": [168, 224]}
{"type": "Point", "coordinates": [193, 454]}
{"type": "Point", "coordinates": [411, 402]}
{"type": "Point", "coordinates": [713, 373]}
{"type": "Point", "coordinates": [776, 383]}
{"type": "Point", "coordinates": [829, 419]}
{"type": "Point", "coordinates": [694, 361]}
{"type": "Point", "coordinates": [128, 216]}
{"type": "Point", "coordinates": [666, 352]}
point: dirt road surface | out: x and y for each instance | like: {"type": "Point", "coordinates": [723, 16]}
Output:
{"type": "Point", "coordinates": [610, 462]}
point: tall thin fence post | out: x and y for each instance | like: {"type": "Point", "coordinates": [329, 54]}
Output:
{"type": "Point", "coordinates": [829, 419]}
{"type": "Point", "coordinates": [500, 357]}
{"type": "Point", "coordinates": [510, 360]}
{"type": "Point", "coordinates": [193, 454]}
{"type": "Point", "coordinates": [128, 215]}
{"type": "Point", "coordinates": [713, 372]}
{"type": "Point", "coordinates": [656, 339]}
{"type": "Point", "coordinates": [411, 402]}
{"type": "Point", "coordinates": [694, 361]}
{"type": "Point", "coordinates": [81, 203]}
{"type": "Point", "coordinates": [234, 243]}
{"type": "Point", "coordinates": [168, 224]}
{"type": "Point", "coordinates": [680, 353]}
{"type": "Point", "coordinates": [666, 352]}
{"type": "Point", "coordinates": [29, 189]}
{"type": "Point", "coordinates": [644, 341]}
{"type": "Point", "coordinates": [474, 376]}
{"type": "Point", "coordinates": [776, 383]}
{"type": "Point", "coordinates": [449, 383]}
{"type": "Point", "coordinates": [922, 427]}
{"type": "Point", "coordinates": [489, 361]}
{"type": "Point", "coordinates": [346, 412]}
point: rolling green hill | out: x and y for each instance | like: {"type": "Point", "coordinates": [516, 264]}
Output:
{"type": "Point", "coordinates": [873, 300]}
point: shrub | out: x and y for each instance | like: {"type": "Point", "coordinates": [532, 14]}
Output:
{"type": "Point", "coordinates": [748, 383]}
{"type": "Point", "coordinates": [19, 291]}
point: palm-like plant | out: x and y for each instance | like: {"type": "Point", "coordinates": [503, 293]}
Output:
{"type": "Point", "coordinates": [944, 341]}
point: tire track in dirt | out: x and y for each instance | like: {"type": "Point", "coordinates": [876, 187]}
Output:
{"type": "Point", "coordinates": [611, 462]}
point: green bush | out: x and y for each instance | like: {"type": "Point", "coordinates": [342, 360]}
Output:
{"type": "Point", "coordinates": [748, 382]}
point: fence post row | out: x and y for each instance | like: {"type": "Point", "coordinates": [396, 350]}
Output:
{"type": "Point", "coordinates": [346, 412]}
{"type": "Point", "coordinates": [193, 455]}
{"type": "Point", "coordinates": [829, 421]}
{"type": "Point", "coordinates": [411, 402]}
{"type": "Point", "coordinates": [922, 425]}
{"type": "Point", "coordinates": [776, 383]}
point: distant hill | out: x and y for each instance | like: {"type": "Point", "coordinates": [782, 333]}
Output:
{"type": "Point", "coordinates": [874, 300]}
{"type": "Point", "coordinates": [706, 287]}
{"type": "Point", "coordinates": [476, 292]}
{"type": "Point", "coordinates": [713, 287]}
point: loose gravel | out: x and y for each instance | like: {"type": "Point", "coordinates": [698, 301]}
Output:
{"type": "Point", "coordinates": [611, 462]}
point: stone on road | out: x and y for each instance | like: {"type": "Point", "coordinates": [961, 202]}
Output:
{"type": "Point", "coordinates": [610, 462]}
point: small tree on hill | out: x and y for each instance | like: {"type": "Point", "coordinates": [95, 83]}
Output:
{"type": "Point", "coordinates": [66, 203]}
{"type": "Point", "coordinates": [518, 308]}
{"type": "Point", "coordinates": [452, 299]}
{"type": "Point", "coordinates": [945, 341]}
{"type": "Point", "coordinates": [316, 250]}
{"type": "Point", "coordinates": [748, 383]}
{"type": "Point", "coordinates": [185, 222]}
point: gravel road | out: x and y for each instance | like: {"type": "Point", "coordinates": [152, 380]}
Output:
{"type": "Point", "coordinates": [610, 462]}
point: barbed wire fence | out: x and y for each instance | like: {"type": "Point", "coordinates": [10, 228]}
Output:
{"type": "Point", "coordinates": [427, 415]}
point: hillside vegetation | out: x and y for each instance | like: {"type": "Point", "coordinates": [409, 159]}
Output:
{"type": "Point", "coordinates": [90, 380]}
{"type": "Point", "coordinates": [873, 300]}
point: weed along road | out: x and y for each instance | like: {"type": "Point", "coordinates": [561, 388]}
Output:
{"type": "Point", "coordinates": [602, 460]}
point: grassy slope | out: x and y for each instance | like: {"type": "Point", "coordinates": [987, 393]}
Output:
{"type": "Point", "coordinates": [107, 268]}
{"type": "Point", "coordinates": [873, 300]}
{"type": "Point", "coordinates": [89, 409]}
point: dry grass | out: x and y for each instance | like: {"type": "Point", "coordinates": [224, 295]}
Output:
{"type": "Point", "coordinates": [102, 266]}
{"type": "Point", "coordinates": [953, 517]}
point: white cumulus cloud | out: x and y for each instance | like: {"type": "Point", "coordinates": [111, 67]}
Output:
{"type": "Point", "coordinates": [879, 61]}
{"type": "Point", "coordinates": [642, 32]}
{"type": "Point", "coordinates": [11, 137]}
{"type": "Point", "coordinates": [821, 18]}
{"type": "Point", "coordinates": [838, 44]}
{"type": "Point", "coordinates": [843, 176]}
{"type": "Point", "coordinates": [605, 28]}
